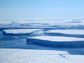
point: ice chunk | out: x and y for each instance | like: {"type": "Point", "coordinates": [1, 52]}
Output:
{"type": "Point", "coordinates": [57, 38]}
{"type": "Point", "coordinates": [16, 31]}
{"type": "Point", "coordinates": [19, 31]}
{"type": "Point", "coordinates": [57, 41]}
{"type": "Point", "coordinates": [72, 31]}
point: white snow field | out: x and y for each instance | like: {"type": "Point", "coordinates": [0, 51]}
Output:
{"type": "Point", "coordinates": [49, 23]}
{"type": "Point", "coordinates": [65, 31]}
{"type": "Point", "coordinates": [56, 38]}
{"type": "Point", "coordinates": [38, 56]}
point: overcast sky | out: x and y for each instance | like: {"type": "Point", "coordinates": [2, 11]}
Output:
{"type": "Point", "coordinates": [16, 9]}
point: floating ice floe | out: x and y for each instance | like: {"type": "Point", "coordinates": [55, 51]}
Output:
{"type": "Point", "coordinates": [65, 31]}
{"type": "Point", "coordinates": [19, 31]}
{"type": "Point", "coordinates": [57, 41]}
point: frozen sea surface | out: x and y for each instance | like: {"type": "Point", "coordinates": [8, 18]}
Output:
{"type": "Point", "coordinates": [38, 56]}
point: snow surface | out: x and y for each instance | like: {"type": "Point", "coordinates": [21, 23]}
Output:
{"type": "Point", "coordinates": [22, 31]}
{"type": "Point", "coordinates": [57, 38]}
{"type": "Point", "coordinates": [38, 56]}
{"type": "Point", "coordinates": [73, 31]}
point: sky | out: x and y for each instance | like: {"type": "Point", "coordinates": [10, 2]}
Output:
{"type": "Point", "coordinates": [17, 9]}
